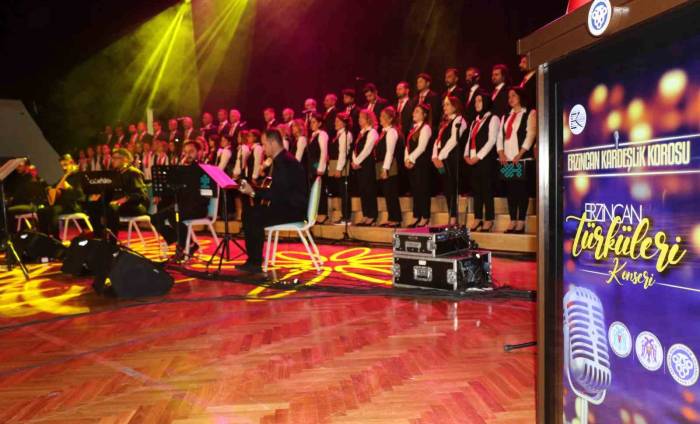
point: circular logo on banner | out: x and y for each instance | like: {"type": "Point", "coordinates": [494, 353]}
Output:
{"type": "Point", "coordinates": [599, 16]}
{"type": "Point", "coordinates": [649, 351]}
{"type": "Point", "coordinates": [577, 119]}
{"type": "Point", "coordinates": [620, 339]}
{"type": "Point", "coordinates": [682, 364]}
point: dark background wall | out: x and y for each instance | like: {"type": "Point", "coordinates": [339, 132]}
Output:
{"type": "Point", "coordinates": [282, 52]}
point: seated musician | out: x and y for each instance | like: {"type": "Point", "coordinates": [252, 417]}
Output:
{"type": "Point", "coordinates": [128, 198]}
{"type": "Point", "coordinates": [25, 192]}
{"type": "Point", "coordinates": [191, 205]}
{"type": "Point", "coordinates": [64, 197]}
{"type": "Point", "coordinates": [284, 201]}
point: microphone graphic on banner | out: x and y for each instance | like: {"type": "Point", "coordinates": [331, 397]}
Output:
{"type": "Point", "coordinates": [586, 356]}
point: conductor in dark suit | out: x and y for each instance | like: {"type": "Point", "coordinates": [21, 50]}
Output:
{"type": "Point", "coordinates": [284, 201]}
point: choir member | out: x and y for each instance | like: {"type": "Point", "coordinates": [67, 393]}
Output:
{"type": "Point", "coordinates": [374, 104]}
{"type": "Point", "coordinates": [471, 78]}
{"type": "Point", "coordinates": [350, 107]}
{"type": "Point", "coordinates": [446, 152]}
{"type": "Point", "coordinates": [269, 117]}
{"type": "Point", "coordinates": [529, 82]}
{"type": "Point", "coordinates": [317, 156]}
{"type": "Point", "coordinates": [338, 166]}
{"type": "Point", "coordinates": [93, 161]}
{"type": "Point", "coordinates": [515, 140]}
{"type": "Point", "coordinates": [223, 154]}
{"type": "Point", "coordinates": [299, 141]}
{"type": "Point", "coordinates": [480, 156]}
{"type": "Point", "coordinates": [427, 96]}
{"type": "Point", "coordinates": [161, 153]}
{"type": "Point", "coordinates": [255, 157]}
{"type": "Point", "coordinates": [133, 134]}
{"type": "Point", "coordinates": [242, 152]}
{"type": "Point", "coordinates": [452, 85]}
{"type": "Point", "coordinates": [119, 137]}
{"type": "Point", "coordinates": [147, 161]}
{"type": "Point", "coordinates": [309, 109]}
{"type": "Point", "coordinates": [212, 149]}
{"type": "Point", "coordinates": [223, 124]}
{"type": "Point", "coordinates": [364, 165]}
{"type": "Point", "coordinates": [143, 134]}
{"type": "Point", "coordinates": [158, 133]}
{"type": "Point", "coordinates": [173, 153]}
{"type": "Point", "coordinates": [83, 163]}
{"type": "Point", "coordinates": [417, 162]}
{"type": "Point", "coordinates": [208, 126]}
{"type": "Point", "coordinates": [386, 153]}
{"type": "Point", "coordinates": [68, 199]}
{"type": "Point", "coordinates": [106, 158]}
{"type": "Point", "coordinates": [329, 103]}
{"type": "Point", "coordinates": [288, 116]}
{"type": "Point", "coordinates": [107, 135]}
{"type": "Point", "coordinates": [404, 106]}
{"type": "Point", "coordinates": [234, 127]}
{"type": "Point", "coordinates": [499, 95]}
{"type": "Point", "coordinates": [174, 134]}
{"type": "Point", "coordinates": [189, 133]}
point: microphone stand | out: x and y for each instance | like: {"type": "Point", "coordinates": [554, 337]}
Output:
{"type": "Point", "coordinates": [10, 251]}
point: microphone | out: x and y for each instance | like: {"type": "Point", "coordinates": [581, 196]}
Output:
{"type": "Point", "coordinates": [586, 356]}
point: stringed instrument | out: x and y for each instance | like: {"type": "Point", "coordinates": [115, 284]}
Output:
{"type": "Point", "coordinates": [265, 183]}
{"type": "Point", "coordinates": [53, 192]}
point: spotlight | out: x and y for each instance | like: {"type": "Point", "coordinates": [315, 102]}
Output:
{"type": "Point", "coordinates": [188, 1]}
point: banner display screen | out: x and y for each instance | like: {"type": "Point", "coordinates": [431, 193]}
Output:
{"type": "Point", "coordinates": [630, 228]}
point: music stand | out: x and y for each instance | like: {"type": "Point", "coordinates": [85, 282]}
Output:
{"type": "Point", "coordinates": [8, 166]}
{"type": "Point", "coordinates": [225, 183]}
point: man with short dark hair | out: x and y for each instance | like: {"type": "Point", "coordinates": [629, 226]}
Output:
{"type": "Point", "coordinates": [404, 106]}
{"type": "Point", "coordinates": [269, 117]}
{"type": "Point", "coordinates": [329, 103]}
{"type": "Point", "coordinates": [499, 95]}
{"type": "Point", "coordinates": [471, 78]}
{"type": "Point", "coordinates": [452, 85]}
{"type": "Point", "coordinates": [374, 102]}
{"type": "Point", "coordinates": [425, 95]}
{"type": "Point", "coordinates": [283, 202]}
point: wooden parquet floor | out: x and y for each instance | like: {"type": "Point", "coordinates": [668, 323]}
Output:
{"type": "Point", "coordinates": [304, 358]}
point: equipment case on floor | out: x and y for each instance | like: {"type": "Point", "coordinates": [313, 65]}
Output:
{"type": "Point", "coordinates": [468, 269]}
{"type": "Point", "coordinates": [432, 241]}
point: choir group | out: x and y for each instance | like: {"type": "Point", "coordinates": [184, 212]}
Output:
{"type": "Point", "coordinates": [469, 138]}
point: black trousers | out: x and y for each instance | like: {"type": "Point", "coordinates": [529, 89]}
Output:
{"type": "Point", "coordinates": [390, 191]}
{"type": "Point", "coordinates": [420, 178]}
{"type": "Point", "coordinates": [517, 193]}
{"type": "Point", "coordinates": [255, 219]}
{"type": "Point", "coordinates": [481, 181]}
{"type": "Point", "coordinates": [112, 214]}
{"type": "Point", "coordinates": [48, 217]}
{"type": "Point", "coordinates": [323, 201]}
{"type": "Point", "coordinates": [451, 182]}
{"type": "Point", "coordinates": [165, 222]}
{"type": "Point", "coordinates": [366, 178]}
{"type": "Point", "coordinates": [340, 188]}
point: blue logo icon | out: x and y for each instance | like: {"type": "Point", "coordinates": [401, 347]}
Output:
{"type": "Point", "coordinates": [682, 365]}
{"type": "Point", "coordinates": [599, 16]}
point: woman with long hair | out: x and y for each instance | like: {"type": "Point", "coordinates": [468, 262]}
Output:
{"type": "Point", "coordinates": [340, 169]}
{"type": "Point", "coordinates": [318, 161]}
{"type": "Point", "coordinates": [364, 165]}
{"type": "Point", "coordinates": [387, 164]}
{"type": "Point", "coordinates": [417, 163]}
{"type": "Point", "coordinates": [515, 140]}
{"type": "Point", "coordinates": [446, 153]}
{"type": "Point", "coordinates": [480, 156]}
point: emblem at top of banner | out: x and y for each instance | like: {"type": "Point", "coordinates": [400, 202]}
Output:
{"type": "Point", "coordinates": [599, 16]}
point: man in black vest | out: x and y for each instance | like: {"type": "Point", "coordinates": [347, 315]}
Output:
{"type": "Point", "coordinates": [283, 202]}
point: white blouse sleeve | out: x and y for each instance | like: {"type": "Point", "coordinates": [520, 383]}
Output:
{"type": "Point", "coordinates": [423, 140]}
{"type": "Point", "coordinates": [453, 141]}
{"type": "Point", "coordinates": [372, 137]}
{"type": "Point", "coordinates": [391, 138]}
{"type": "Point", "coordinates": [257, 162]}
{"type": "Point", "coordinates": [531, 130]}
{"type": "Point", "coordinates": [225, 157]}
{"type": "Point", "coordinates": [344, 142]}
{"type": "Point", "coordinates": [323, 145]}
{"type": "Point", "coordinates": [301, 146]}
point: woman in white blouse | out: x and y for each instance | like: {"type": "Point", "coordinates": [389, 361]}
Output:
{"type": "Point", "coordinates": [417, 162]}
{"type": "Point", "coordinates": [515, 140]}
{"type": "Point", "coordinates": [446, 152]}
{"type": "Point", "coordinates": [242, 153]}
{"type": "Point", "coordinates": [340, 168]}
{"type": "Point", "coordinates": [364, 165]}
{"type": "Point", "coordinates": [317, 154]}
{"type": "Point", "coordinates": [480, 156]}
{"type": "Point", "coordinates": [387, 166]}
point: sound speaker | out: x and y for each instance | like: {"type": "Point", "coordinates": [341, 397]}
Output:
{"type": "Point", "coordinates": [32, 246]}
{"type": "Point", "coordinates": [132, 276]}
{"type": "Point", "coordinates": [88, 256]}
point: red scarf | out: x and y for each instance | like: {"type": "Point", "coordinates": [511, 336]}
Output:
{"type": "Point", "coordinates": [475, 130]}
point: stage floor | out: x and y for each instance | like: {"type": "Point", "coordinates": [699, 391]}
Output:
{"type": "Point", "coordinates": [333, 348]}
